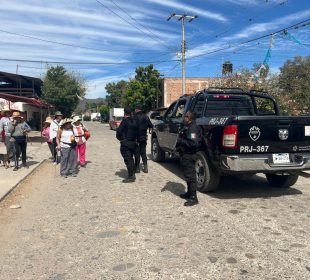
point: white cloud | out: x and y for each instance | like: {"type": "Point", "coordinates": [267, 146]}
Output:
{"type": "Point", "coordinates": [96, 87]}
{"type": "Point", "coordinates": [188, 8]}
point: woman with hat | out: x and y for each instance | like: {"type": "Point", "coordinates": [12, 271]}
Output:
{"type": "Point", "coordinates": [66, 144]}
{"type": "Point", "coordinates": [18, 130]}
{"type": "Point", "coordinates": [4, 124]}
{"type": "Point", "coordinates": [55, 125]}
{"type": "Point", "coordinates": [79, 130]}
{"type": "Point", "coordinates": [46, 133]}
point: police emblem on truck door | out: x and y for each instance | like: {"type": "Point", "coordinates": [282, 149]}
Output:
{"type": "Point", "coordinates": [283, 134]}
{"type": "Point", "coordinates": [254, 133]}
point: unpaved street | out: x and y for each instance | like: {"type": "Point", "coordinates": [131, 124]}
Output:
{"type": "Point", "coordinates": [95, 227]}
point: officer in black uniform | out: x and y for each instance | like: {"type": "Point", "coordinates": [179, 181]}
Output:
{"type": "Point", "coordinates": [144, 124]}
{"type": "Point", "coordinates": [187, 145]}
{"type": "Point", "coordinates": [126, 133]}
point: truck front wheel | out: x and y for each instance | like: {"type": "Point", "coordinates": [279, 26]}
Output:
{"type": "Point", "coordinates": [281, 181]}
{"type": "Point", "coordinates": [207, 179]}
{"type": "Point", "coordinates": [158, 154]}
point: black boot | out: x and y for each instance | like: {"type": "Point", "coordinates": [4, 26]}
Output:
{"type": "Point", "coordinates": [185, 195]}
{"type": "Point", "coordinates": [145, 169]}
{"type": "Point", "coordinates": [130, 179]}
{"type": "Point", "coordinates": [137, 170]}
{"type": "Point", "coordinates": [191, 201]}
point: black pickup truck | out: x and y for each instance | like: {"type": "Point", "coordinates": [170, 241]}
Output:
{"type": "Point", "coordinates": [243, 133]}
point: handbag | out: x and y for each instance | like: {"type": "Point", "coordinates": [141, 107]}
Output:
{"type": "Point", "coordinates": [87, 135]}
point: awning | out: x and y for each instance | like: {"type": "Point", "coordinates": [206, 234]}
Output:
{"type": "Point", "coordinates": [27, 100]}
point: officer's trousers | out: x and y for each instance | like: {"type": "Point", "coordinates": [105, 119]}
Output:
{"type": "Point", "coordinates": [188, 164]}
{"type": "Point", "coordinates": [141, 153]}
{"type": "Point", "coordinates": [127, 154]}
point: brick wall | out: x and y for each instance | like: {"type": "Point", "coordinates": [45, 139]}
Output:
{"type": "Point", "coordinates": [173, 87]}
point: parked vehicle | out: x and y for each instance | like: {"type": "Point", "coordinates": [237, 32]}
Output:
{"type": "Point", "coordinates": [115, 117]}
{"type": "Point", "coordinates": [155, 113]}
{"type": "Point", "coordinates": [242, 133]}
{"type": "Point", "coordinates": [95, 117]}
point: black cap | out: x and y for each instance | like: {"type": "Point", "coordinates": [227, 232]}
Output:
{"type": "Point", "coordinates": [138, 107]}
{"type": "Point", "coordinates": [127, 110]}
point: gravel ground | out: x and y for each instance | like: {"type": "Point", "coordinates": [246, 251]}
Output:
{"type": "Point", "coordinates": [95, 227]}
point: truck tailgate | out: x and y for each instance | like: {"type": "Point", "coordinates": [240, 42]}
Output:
{"type": "Point", "coordinates": [273, 134]}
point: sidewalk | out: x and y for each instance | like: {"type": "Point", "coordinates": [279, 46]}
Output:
{"type": "Point", "coordinates": [36, 154]}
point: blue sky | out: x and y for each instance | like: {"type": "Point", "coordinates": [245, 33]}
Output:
{"type": "Point", "coordinates": [128, 33]}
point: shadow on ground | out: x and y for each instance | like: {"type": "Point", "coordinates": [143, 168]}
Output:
{"type": "Point", "coordinates": [175, 188]}
{"type": "Point", "coordinates": [32, 162]}
{"type": "Point", "coordinates": [231, 187]}
{"type": "Point", "coordinates": [122, 173]}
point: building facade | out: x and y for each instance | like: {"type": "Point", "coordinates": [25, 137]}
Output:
{"type": "Point", "coordinates": [172, 88]}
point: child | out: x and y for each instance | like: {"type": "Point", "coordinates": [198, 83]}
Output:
{"type": "Point", "coordinates": [46, 133]}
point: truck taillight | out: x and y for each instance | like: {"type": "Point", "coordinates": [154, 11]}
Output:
{"type": "Point", "coordinates": [230, 136]}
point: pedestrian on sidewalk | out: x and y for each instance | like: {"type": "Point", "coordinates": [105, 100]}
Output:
{"type": "Point", "coordinates": [126, 133]}
{"type": "Point", "coordinates": [55, 125]}
{"type": "Point", "coordinates": [18, 130]}
{"type": "Point", "coordinates": [79, 130]}
{"type": "Point", "coordinates": [5, 135]}
{"type": "Point", "coordinates": [67, 146]}
{"type": "Point", "coordinates": [188, 143]}
{"type": "Point", "coordinates": [144, 124]}
{"type": "Point", "coordinates": [46, 133]}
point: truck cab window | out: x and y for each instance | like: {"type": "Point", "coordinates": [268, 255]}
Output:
{"type": "Point", "coordinates": [170, 110]}
{"type": "Point", "coordinates": [199, 106]}
{"type": "Point", "coordinates": [179, 109]}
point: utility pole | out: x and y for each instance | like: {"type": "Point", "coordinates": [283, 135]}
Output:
{"type": "Point", "coordinates": [182, 18]}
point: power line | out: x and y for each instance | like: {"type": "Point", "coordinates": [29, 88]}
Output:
{"type": "Point", "coordinates": [125, 20]}
{"type": "Point", "coordinates": [145, 27]}
{"type": "Point", "coordinates": [294, 26]}
{"type": "Point", "coordinates": [250, 19]}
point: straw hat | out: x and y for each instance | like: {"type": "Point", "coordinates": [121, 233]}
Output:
{"type": "Point", "coordinates": [5, 110]}
{"type": "Point", "coordinates": [66, 120]}
{"type": "Point", "coordinates": [76, 118]}
{"type": "Point", "coordinates": [16, 115]}
{"type": "Point", "coordinates": [58, 113]}
{"type": "Point", "coordinates": [48, 120]}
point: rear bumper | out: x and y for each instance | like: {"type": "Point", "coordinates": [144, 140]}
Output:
{"type": "Point", "coordinates": [263, 163]}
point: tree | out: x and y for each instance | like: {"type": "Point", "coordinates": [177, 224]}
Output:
{"type": "Point", "coordinates": [116, 93]}
{"type": "Point", "coordinates": [61, 88]}
{"type": "Point", "coordinates": [294, 80]}
{"type": "Point", "coordinates": [144, 88]}
{"type": "Point", "coordinates": [104, 112]}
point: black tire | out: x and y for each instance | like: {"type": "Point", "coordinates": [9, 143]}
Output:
{"type": "Point", "coordinates": [281, 181]}
{"type": "Point", "coordinates": [158, 154]}
{"type": "Point", "coordinates": [207, 179]}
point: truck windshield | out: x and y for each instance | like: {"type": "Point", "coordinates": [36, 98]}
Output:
{"type": "Point", "coordinates": [225, 107]}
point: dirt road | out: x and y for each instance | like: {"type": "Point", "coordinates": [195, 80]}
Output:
{"type": "Point", "coordinates": [95, 227]}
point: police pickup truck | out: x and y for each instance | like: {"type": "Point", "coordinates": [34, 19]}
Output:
{"type": "Point", "coordinates": [243, 133]}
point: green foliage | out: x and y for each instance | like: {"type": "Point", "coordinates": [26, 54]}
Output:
{"type": "Point", "coordinates": [143, 89]}
{"type": "Point", "coordinates": [104, 111]}
{"type": "Point", "coordinates": [294, 80]}
{"type": "Point", "coordinates": [116, 93]}
{"type": "Point", "coordinates": [61, 88]}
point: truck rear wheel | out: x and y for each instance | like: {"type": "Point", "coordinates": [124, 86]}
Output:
{"type": "Point", "coordinates": [281, 181]}
{"type": "Point", "coordinates": [207, 179]}
{"type": "Point", "coordinates": [158, 154]}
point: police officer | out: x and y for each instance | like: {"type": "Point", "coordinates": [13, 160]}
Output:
{"type": "Point", "coordinates": [187, 145]}
{"type": "Point", "coordinates": [126, 133]}
{"type": "Point", "coordinates": [144, 124]}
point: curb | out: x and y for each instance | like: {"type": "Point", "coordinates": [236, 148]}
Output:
{"type": "Point", "coordinates": [21, 180]}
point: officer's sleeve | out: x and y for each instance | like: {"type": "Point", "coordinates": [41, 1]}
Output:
{"type": "Point", "coordinates": [192, 137]}
{"type": "Point", "coordinates": [121, 130]}
{"type": "Point", "coordinates": [149, 123]}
